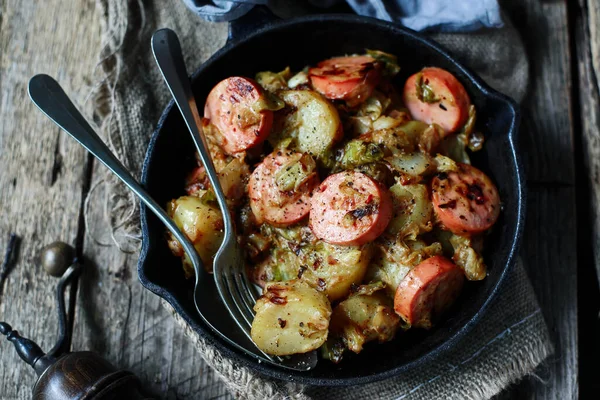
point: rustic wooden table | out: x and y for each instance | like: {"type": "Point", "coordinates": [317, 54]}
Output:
{"type": "Point", "coordinates": [44, 178]}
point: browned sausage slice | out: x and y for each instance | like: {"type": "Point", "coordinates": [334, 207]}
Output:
{"type": "Point", "coordinates": [234, 107]}
{"type": "Point", "coordinates": [466, 202]}
{"type": "Point", "coordinates": [346, 78]}
{"type": "Point", "coordinates": [350, 208]}
{"type": "Point", "coordinates": [435, 96]}
{"type": "Point", "coordinates": [427, 290]}
{"type": "Point", "coordinates": [280, 187]}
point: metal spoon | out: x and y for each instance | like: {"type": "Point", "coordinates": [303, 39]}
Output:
{"type": "Point", "coordinates": [231, 280]}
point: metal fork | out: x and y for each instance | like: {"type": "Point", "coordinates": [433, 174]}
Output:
{"type": "Point", "coordinates": [51, 99]}
{"type": "Point", "coordinates": [228, 266]}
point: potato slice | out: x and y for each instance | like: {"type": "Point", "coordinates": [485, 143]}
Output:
{"type": "Point", "coordinates": [331, 269]}
{"type": "Point", "coordinates": [202, 223]}
{"type": "Point", "coordinates": [334, 269]}
{"type": "Point", "coordinates": [413, 165]}
{"type": "Point", "coordinates": [291, 317]}
{"type": "Point", "coordinates": [309, 120]}
{"type": "Point", "coordinates": [412, 210]}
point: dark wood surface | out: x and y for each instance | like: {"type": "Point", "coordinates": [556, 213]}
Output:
{"type": "Point", "coordinates": [547, 139]}
{"type": "Point", "coordinates": [44, 177]}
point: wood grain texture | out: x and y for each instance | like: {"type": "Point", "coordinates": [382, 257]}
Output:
{"type": "Point", "coordinates": [41, 170]}
{"type": "Point", "coordinates": [42, 178]}
{"type": "Point", "coordinates": [546, 128]}
{"type": "Point", "coordinates": [120, 319]}
{"type": "Point", "coordinates": [587, 29]}
{"type": "Point", "coordinates": [585, 17]}
{"type": "Point", "coordinates": [42, 175]}
{"type": "Point", "coordinates": [128, 326]}
{"type": "Point", "coordinates": [550, 239]}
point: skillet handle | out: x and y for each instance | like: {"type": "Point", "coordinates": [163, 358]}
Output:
{"type": "Point", "coordinates": [255, 19]}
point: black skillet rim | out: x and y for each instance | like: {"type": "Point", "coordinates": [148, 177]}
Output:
{"type": "Point", "coordinates": [273, 371]}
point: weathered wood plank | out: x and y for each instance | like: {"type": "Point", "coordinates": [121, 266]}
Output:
{"type": "Point", "coordinates": [588, 62]}
{"type": "Point", "coordinates": [551, 261]}
{"type": "Point", "coordinates": [550, 240]}
{"type": "Point", "coordinates": [41, 170]}
{"type": "Point", "coordinates": [128, 325]}
{"type": "Point", "coordinates": [585, 21]}
{"type": "Point", "coordinates": [136, 332]}
{"type": "Point", "coordinates": [544, 30]}
{"type": "Point", "coordinates": [118, 317]}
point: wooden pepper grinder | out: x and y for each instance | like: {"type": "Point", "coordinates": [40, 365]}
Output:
{"type": "Point", "coordinates": [63, 375]}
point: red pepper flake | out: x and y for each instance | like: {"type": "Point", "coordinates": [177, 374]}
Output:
{"type": "Point", "coordinates": [274, 296]}
{"type": "Point", "coordinates": [278, 300]}
{"type": "Point", "coordinates": [317, 263]}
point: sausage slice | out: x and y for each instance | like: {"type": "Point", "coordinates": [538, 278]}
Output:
{"type": "Point", "coordinates": [234, 107]}
{"type": "Point", "coordinates": [280, 188]}
{"type": "Point", "coordinates": [350, 208]}
{"type": "Point", "coordinates": [466, 202]}
{"type": "Point", "coordinates": [346, 78]}
{"type": "Point", "coordinates": [427, 290]}
{"type": "Point", "coordinates": [435, 96]}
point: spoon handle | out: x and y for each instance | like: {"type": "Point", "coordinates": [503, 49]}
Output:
{"type": "Point", "coordinates": [51, 99]}
{"type": "Point", "coordinates": [167, 53]}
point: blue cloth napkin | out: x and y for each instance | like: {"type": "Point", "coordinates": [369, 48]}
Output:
{"type": "Point", "coordinates": [434, 15]}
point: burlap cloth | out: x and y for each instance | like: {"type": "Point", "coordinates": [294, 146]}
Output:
{"type": "Point", "coordinates": [508, 343]}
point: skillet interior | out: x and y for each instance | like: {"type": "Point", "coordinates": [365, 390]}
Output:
{"type": "Point", "coordinates": [297, 43]}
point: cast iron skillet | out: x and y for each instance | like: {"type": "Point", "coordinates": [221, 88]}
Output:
{"type": "Point", "coordinates": [257, 46]}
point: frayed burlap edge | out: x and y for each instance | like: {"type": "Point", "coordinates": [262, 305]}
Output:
{"type": "Point", "coordinates": [121, 206]}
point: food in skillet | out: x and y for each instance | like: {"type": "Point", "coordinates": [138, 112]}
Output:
{"type": "Point", "coordinates": [356, 204]}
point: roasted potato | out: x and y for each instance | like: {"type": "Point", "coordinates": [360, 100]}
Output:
{"type": "Point", "coordinates": [309, 120]}
{"type": "Point", "coordinates": [233, 172]}
{"type": "Point", "coordinates": [334, 269]}
{"type": "Point", "coordinates": [329, 268]}
{"type": "Point", "coordinates": [413, 165]}
{"type": "Point", "coordinates": [412, 211]}
{"type": "Point", "coordinates": [202, 223]}
{"type": "Point", "coordinates": [291, 317]}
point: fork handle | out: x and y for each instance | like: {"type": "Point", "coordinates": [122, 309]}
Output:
{"type": "Point", "coordinates": [167, 53]}
{"type": "Point", "coordinates": [51, 99]}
